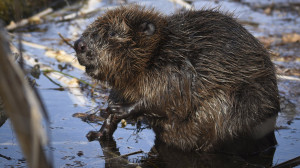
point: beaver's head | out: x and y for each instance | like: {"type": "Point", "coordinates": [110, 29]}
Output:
{"type": "Point", "coordinates": [120, 44]}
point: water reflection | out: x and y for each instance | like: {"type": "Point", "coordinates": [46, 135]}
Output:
{"type": "Point", "coordinates": [162, 155]}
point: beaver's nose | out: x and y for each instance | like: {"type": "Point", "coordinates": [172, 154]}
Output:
{"type": "Point", "coordinates": [80, 46]}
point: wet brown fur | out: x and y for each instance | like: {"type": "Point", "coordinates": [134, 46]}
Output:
{"type": "Point", "coordinates": [201, 78]}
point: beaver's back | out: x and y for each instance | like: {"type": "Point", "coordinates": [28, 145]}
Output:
{"type": "Point", "coordinates": [224, 75]}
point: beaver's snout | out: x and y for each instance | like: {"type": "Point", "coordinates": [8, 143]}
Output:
{"type": "Point", "coordinates": [80, 46]}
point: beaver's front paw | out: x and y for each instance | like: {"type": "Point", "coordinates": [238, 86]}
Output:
{"type": "Point", "coordinates": [106, 131]}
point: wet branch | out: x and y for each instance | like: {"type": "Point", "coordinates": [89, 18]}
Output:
{"type": "Point", "coordinates": [290, 163]}
{"type": "Point", "coordinates": [132, 153]}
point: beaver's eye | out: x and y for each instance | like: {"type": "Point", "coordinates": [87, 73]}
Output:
{"type": "Point", "coordinates": [112, 34]}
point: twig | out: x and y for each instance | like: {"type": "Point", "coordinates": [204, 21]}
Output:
{"type": "Point", "coordinates": [51, 80]}
{"type": "Point", "coordinates": [132, 153]}
{"type": "Point", "coordinates": [125, 155]}
{"type": "Point", "coordinates": [290, 163]}
{"type": "Point", "coordinates": [5, 157]}
{"type": "Point", "coordinates": [65, 40]}
{"type": "Point", "coordinates": [93, 109]}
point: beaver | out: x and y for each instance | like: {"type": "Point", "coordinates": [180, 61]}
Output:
{"type": "Point", "coordinates": [201, 79]}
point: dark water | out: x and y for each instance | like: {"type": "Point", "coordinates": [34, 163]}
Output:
{"type": "Point", "coordinates": [71, 148]}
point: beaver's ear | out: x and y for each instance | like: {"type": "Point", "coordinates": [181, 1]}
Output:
{"type": "Point", "coordinates": [147, 28]}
